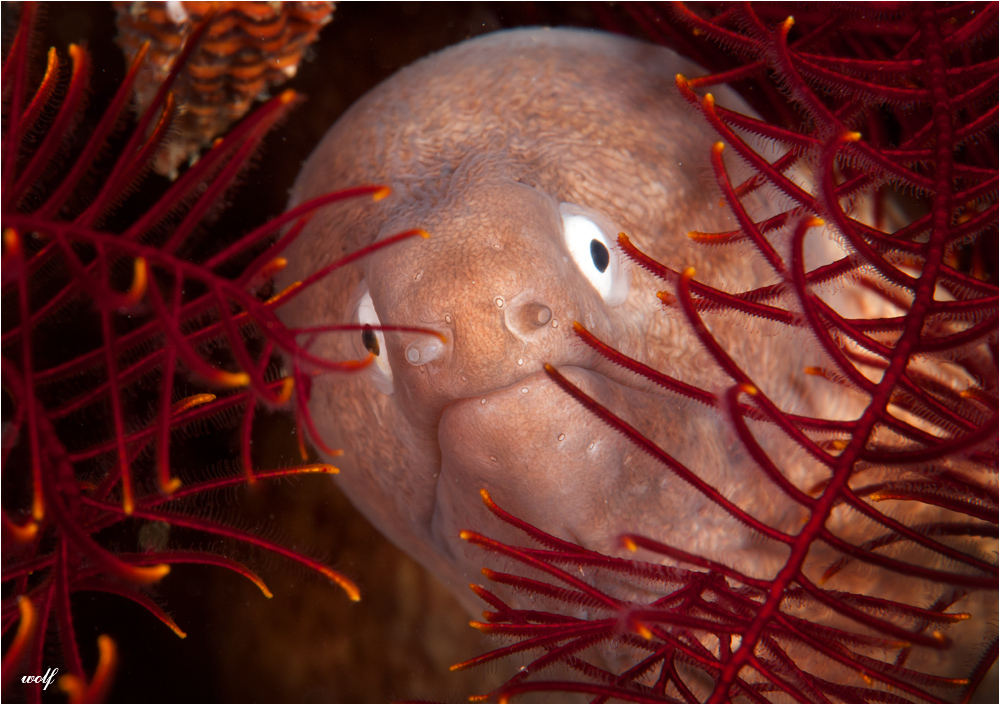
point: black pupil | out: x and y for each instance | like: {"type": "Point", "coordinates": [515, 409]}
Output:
{"type": "Point", "coordinates": [599, 253]}
{"type": "Point", "coordinates": [369, 340]}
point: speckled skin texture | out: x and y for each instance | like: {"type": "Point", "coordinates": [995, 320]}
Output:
{"type": "Point", "coordinates": [480, 144]}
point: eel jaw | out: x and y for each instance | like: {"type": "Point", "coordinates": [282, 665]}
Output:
{"type": "Point", "coordinates": [542, 457]}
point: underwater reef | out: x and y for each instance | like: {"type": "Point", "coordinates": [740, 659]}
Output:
{"type": "Point", "coordinates": [116, 473]}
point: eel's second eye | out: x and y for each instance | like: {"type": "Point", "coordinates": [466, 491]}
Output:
{"type": "Point", "coordinates": [373, 340]}
{"type": "Point", "coordinates": [369, 340]}
{"type": "Point", "coordinates": [588, 237]}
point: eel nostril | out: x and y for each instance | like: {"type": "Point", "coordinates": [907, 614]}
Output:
{"type": "Point", "coordinates": [424, 350]}
{"type": "Point", "coordinates": [527, 320]}
{"type": "Point", "coordinates": [536, 315]}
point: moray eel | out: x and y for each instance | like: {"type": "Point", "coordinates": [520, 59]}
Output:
{"type": "Point", "coordinates": [524, 154]}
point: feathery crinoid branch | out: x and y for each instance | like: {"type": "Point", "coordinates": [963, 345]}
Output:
{"type": "Point", "coordinates": [119, 340]}
{"type": "Point", "coordinates": [886, 587]}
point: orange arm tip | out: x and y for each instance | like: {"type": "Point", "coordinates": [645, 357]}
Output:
{"type": "Point", "coordinates": [348, 586]}
{"type": "Point", "coordinates": [21, 640]}
{"type": "Point", "coordinates": [283, 293]}
{"type": "Point", "coordinates": [273, 267]}
{"type": "Point", "coordinates": [140, 279]}
{"type": "Point", "coordinates": [190, 402]}
{"type": "Point", "coordinates": [175, 628]}
{"type": "Point", "coordinates": [107, 661]}
{"type": "Point", "coordinates": [381, 193]}
{"type": "Point", "coordinates": [22, 533]}
{"type": "Point", "coordinates": [358, 364]}
{"type": "Point", "coordinates": [231, 379]}
{"type": "Point", "coordinates": [325, 468]}
{"type": "Point", "coordinates": [643, 631]}
{"type": "Point", "coordinates": [37, 507]}
{"type": "Point", "coordinates": [171, 486]}
{"type": "Point", "coordinates": [74, 688]}
{"type": "Point", "coordinates": [11, 241]}
{"type": "Point", "coordinates": [53, 60]}
{"type": "Point", "coordinates": [285, 393]}
{"type": "Point", "coordinates": [149, 574]}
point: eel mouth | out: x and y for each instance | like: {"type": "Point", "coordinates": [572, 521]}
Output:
{"type": "Point", "coordinates": [525, 396]}
{"type": "Point", "coordinates": [542, 456]}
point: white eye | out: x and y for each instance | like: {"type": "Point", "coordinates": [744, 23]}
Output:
{"type": "Point", "coordinates": [591, 242]}
{"type": "Point", "coordinates": [373, 341]}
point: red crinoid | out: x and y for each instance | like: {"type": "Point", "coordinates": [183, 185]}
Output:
{"type": "Point", "coordinates": [120, 338]}
{"type": "Point", "coordinates": [896, 105]}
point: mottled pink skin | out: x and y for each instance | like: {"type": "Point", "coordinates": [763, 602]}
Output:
{"type": "Point", "coordinates": [481, 143]}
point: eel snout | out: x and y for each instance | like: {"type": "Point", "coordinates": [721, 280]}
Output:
{"type": "Point", "coordinates": [523, 155]}
{"type": "Point", "coordinates": [496, 280]}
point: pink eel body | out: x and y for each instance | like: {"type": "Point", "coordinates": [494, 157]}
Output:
{"type": "Point", "coordinates": [517, 152]}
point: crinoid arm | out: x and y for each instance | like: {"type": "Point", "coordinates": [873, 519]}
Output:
{"type": "Point", "coordinates": [882, 141]}
{"type": "Point", "coordinates": [125, 336]}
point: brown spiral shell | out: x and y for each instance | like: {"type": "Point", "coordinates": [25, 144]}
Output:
{"type": "Point", "coordinates": [248, 49]}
